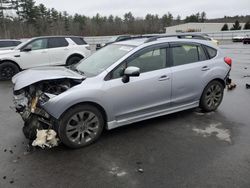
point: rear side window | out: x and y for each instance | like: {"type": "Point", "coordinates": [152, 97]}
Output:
{"type": "Point", "coordinates": [78, 40]}
{"type": "Point", "coordinates": [211, 52]}
{"type": "Point", "coordinates": [187, 53]}
{"type": "Point", "coordinates": [57, 42]}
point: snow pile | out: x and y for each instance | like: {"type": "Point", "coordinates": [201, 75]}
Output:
{"type": "Point", "coordinates": [222, 134]}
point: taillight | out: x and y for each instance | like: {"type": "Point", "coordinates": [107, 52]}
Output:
{"type": "Point", "coordinates": [228, 61]}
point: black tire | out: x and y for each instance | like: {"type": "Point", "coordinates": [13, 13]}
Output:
{"type": "Point", "coordinates": [212, 96]}
{"type": "Point", "coordinates": [8, 70]}
{"type": "Point", "coordinates": [73, 60]}
{"type": "Point", "coordinates": [78, 128]}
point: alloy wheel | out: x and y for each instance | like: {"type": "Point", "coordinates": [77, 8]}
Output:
{"type": "Point", "coordinates": [82, 127]}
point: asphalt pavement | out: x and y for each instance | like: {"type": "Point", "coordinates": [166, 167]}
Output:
{"type": "Point", "coordinates": [186, 149]}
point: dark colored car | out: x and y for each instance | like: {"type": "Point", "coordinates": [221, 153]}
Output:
{"type": "Point", "coordinates": [114, 39]}
{"type": "Point", "coordinates": [246, 40]}
{"type": "Point", "coordinates": [8, 44]}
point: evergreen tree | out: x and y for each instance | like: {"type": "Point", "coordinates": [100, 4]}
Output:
{"type": "Point", "coordinates": [247, 25]}
{"type": "Point", "coordinates": [236, 26]}
{"type": "Point", "coordinates": [225, 27]}
{"type": "Point", "coordinates": [203, 17]}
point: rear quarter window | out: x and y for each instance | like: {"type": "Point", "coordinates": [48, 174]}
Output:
{"type": "Point", "coordinates": [78, 40]}
{"type": "Point", "coordinates": [211, 52]}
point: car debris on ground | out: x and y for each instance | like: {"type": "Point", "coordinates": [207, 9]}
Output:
{"type": "Point", "coordinates": [248, 86]}
{"type": "Point", "coordinates": [231, 85]}
{"type": "Point", "coordinates": [46, 138]}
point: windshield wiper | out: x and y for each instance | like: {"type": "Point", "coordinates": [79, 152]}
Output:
{"type": "Point", "coordinates": [73, 68]}
{"type": "Point", "coordinates": [79, 71]}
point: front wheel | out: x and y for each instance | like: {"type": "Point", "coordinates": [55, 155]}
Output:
{"type": "Point", "coordinates": [8, 70]}
{"type": "Point", "coordinates": [212, 96]}
{"type": "Point", "coordinates": [80, 126]}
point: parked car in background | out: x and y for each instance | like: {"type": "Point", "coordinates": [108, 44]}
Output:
{"type": "Point", "coordinates": [203, 36]}
{"type": "Point", "coordinates": [43, 51]}
{"type": "Point", "coordinates": [238, 38]}
{"type": "Point", "coordinates": [246, 40]}
{"type": "Point", "coordinates": [113, 40]}
{"type": "Point", "coordinates": [8, 44]}
{"type": "Point", "coordinates": [216, 42]}
{"type": "Point", "coordinates": [120, 84]}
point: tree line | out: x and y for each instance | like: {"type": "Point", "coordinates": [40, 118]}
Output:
{"type": "Point", "coordinates": [236, 26]}
{"type": "Point", "coordinates": [24, 19]}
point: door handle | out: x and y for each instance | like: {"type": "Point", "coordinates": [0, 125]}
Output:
{"type": "Point", "coordinates": [164, 77]}
{"type": "Point", "coordinates": [44, 51]}
{"type": "Point", "coordinates": [205, 68]}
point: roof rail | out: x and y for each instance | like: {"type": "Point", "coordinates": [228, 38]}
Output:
{"type": "Point", "coordinates": [141, 36]}
{"type": "Point", "coordinates": [180, 36]}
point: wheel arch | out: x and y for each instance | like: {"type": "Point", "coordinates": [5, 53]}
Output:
{"type": "Point", "coordinates": [75, 54]}
{"type": "Point", "coordinates": [98, 106]}
{"type": "Point", "coordinates": [215, 79]}
{"type": "Point", "coordinates": [11, 61]}
{"type": "Point", "coordinates": [219, 80]}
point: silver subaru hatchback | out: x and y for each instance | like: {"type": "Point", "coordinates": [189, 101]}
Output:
{"type": "Point", "coordinates": [120, 84]}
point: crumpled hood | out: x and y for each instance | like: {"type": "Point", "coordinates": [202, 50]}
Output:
{"type": "Point", "coordinates": [31, 76]}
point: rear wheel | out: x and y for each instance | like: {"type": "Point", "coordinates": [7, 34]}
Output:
{"type": "Point", "coordinates": [81, 126]}
{"type": "Point", "coordinates": [73, 60]}
{"type": "Point", "coordinates": [8, 70]}
{"type": "Point", "coordinates": [212, 96]}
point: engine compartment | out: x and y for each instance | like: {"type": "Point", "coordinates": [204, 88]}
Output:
{"type": "Point", "coordinates": [28, 103]}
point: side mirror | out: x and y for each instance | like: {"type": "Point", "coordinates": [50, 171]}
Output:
{"type": "Point", "coordinates": [130, 72]}
{"type": "Point", "coordinates": [27, 48]}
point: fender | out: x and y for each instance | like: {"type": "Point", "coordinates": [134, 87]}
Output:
{"type": "Point", "coordinates": [61, 103]}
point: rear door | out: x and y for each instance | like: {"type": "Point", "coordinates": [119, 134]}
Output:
{"type": "Point", "coordinates": [189, 67]}
{"type": "Point", "coordinates": [58, 50]}
{"type": "Point", "coordinates": [144, 95]}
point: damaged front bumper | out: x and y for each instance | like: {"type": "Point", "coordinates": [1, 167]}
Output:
{"type": "Point", "coordinates": [35, 117]}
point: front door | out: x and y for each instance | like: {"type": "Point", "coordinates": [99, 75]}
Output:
{"type": "Point", "coordinates": [38, 56]}
{"type": "Point", "coordinates": [144, 95]}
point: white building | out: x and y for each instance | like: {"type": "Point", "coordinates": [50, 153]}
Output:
{"type": "Point", "coordinates": [198, 27]}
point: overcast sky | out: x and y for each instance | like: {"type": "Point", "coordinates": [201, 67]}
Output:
{"type": "Point", "coordinates": [139, 8]}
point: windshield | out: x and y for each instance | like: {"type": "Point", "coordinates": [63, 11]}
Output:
{"type": "Point", "coordinates": [103, 59]}
{"type": "Point", "coordinates": [18, 47]}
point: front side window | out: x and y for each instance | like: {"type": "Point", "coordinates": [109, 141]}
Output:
{"type": "Point", "coordinates": [39, 44]}
{"type": "Point", "coordinates": [58, 42]}
{"type": "Point", "coordinates": [149, 60]}
{"type": "Point", "coordinates": [187, 53]}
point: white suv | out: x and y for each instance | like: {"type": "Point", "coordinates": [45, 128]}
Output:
{"type": "Point", "coordinates": [43, 51]}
